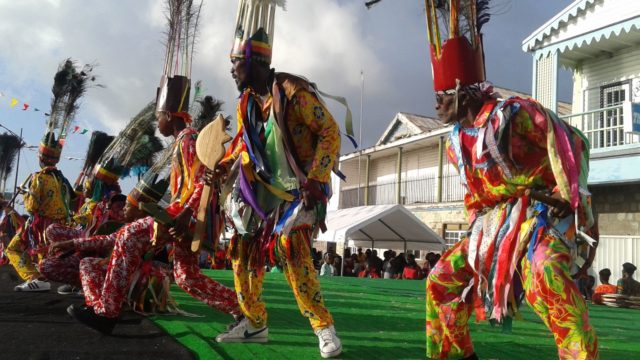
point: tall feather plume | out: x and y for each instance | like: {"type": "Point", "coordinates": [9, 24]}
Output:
{"type": "Point", "coordinates": [80, 82]}
{"type": "Point", "coordinates": [371, 3]}
{"type": "Point", "coordinates": [60, 89]}
{"type": "Point", "coordinates": [99, 142]}
{"type": "Point", "coordinates": [10, 146]}
{"type": "Point", "coordinates": [69, 85]}
{"type": "Point", "coordinates": [182, 20]}
{"type": "Point", "coordinates": [482, 14]}
{"type": "Point", "coordinates": [136, 144]}
{"type": "Point", "coordinates": [209, 108]}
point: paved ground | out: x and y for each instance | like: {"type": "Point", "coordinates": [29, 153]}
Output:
{"type": "Point", "coordinates": [37, 326]}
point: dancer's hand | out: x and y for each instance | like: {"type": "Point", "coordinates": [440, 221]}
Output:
{"type": "Point", "coordinates": [61, 246]}
{"type": "Point", "coordinates": [560, 207]}
{"type": "Point", "coordinates": [181, 224]}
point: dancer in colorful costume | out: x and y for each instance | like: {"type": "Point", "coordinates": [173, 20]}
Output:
{"type": "Point", "coordinates": [105, 155]}
{"type": "Point", "coordinates": [85, 260]}
{"type": "Point", "coordinates": [49, 194]}
{"type": "Point", "coordinates": [185, 185]}
{"type": "Point", "coordinates": [10, 223]}
{"type": "Point", "coordinates": [525, 171]}
{"type": "Point", "coordinates": [279, 167]}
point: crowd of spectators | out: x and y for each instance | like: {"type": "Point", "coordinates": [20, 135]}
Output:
{"type": "Point", "coordinates": [368, 264]}
{"type": "Point", "coordinates": [626, 285]}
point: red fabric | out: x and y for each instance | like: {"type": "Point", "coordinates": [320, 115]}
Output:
{"type": "Point", "coordinates": [411, 272]}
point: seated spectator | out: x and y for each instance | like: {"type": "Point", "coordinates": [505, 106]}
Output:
{"type": "Point", "coordinates": [412, 271]}
{"type": "Point", "coordinates": [398, 263]}
{"type": "Point", "coordinates": [627, 285]}
{"type": "Point", "coordinates": [337, 264]}
{"type": "Point", "coordinates": [426, 267]}
{"type": "Point", "coordinates": [220, 259]}
{"type": "Point", "coordinates": [369, 271]}
{"type": "Point", "coordinates": [327, 268]}
{"type": "Point", "coordinates": [604, 287]}
{"type": "Point", "coordinates": [432, 259]}
{"type": "Point", "coordinates": [349, 265]}
{"type": "Point", "coordinates": [377, 262]}
{"type": "Point", "coordinates": [387, 268]}
{"type": "Point", "coordinates": [361, 257]}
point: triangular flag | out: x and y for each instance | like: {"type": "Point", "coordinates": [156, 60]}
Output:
{"type": "Point", "coordinates": [36, 109]}
{"type": "Point", "coordinates": [75, 129]}
{"type": "Point", "coordinates": [61, 142]}
{"type": "Point", "coordinates": [25, 106]}
{"type": "Point", "coordinates": [84, 131]}
{"type": "Point", "coordinates": [14, 102]}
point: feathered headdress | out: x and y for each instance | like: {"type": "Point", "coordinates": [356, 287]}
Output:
{"type": "Point", "coordinates": [133, 148]}
{"type": "Point", "coordinates": [69, 84]}
{"type": "Point", "coordinates": [207, 109]}
{"type": "Point", "coordinates": [253, 38]}
{"type": "Point", "coordinates": [97, 145]}
{"type": "Point", "coordinates": [455, 39]}
{"type": "Point", "coordinates": [10, 146]}
{"type": "Point", "coordinates": [175, 83]}
{"type": "Point", "coordinates": [155, 182]}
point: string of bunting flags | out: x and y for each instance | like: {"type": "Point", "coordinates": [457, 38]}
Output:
{"type": "Point", "coordinates": [13, 102]}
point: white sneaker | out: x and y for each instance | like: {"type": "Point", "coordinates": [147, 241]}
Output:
{"type": "Point", "coordinates": [33, 285]}
{"type": "Point", "coordinates": [330, 345]}
{"type": "Point", "coordinates": [245, 332]}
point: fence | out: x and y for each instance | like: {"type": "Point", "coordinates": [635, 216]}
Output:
{"type": "Point", "coordinates": [613, 251]}
{"type": "Point", "coordinates": [414, 190]}
{"type": "Point", "coordinates": [603, 127]}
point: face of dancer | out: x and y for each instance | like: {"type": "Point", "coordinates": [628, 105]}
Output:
{"type": "Point", "coordinates": [164, 123]}
{"type": "Point", "coordinates": [446, 108]}
{"type": "Point", "coordinates": [116, 209]}
{"type": "Point", "coordinates": [239, 73]}
{"type": "Point", "coordinates": [132, 213]}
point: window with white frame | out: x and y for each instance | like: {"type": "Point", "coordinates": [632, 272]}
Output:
{"type": "Point", "coordinates": [453, 236]}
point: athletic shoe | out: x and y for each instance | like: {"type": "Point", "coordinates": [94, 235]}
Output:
{"type": "Point", "coordinates": [330, 345]}
{"type": "Point", "coordinates": [236, 321]}
{"type": "Point", "coordinates": [33, 286]}
{"type": "Point", "coordinates": [85, 315]}
{"type": "Point", "coordinates": [245, 332]}
{"type": "Point", "coordinates": [65, 289]}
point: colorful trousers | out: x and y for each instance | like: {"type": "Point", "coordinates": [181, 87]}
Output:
{"type": "Point", "coordinates": [301, 276]}
{"type": "Point", "coordinates": [126, 257]}
{"type": "Point", "coordinates": [21, 249]}
{"type": "Point", "coordinates": [549, 290]}
{"type": "Point", "coordinates": [62, 269]}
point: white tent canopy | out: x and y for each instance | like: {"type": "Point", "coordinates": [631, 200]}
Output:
{"type": "Point", "coordinates": [380, 226]}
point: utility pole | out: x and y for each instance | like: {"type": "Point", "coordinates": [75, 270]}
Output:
{"type": "Point", "coordinates": [15, 183]}
{"type": "Point", "coordinates": [360, 136]}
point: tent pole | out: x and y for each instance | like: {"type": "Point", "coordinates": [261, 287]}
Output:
{"type": "Point", "coordinates": [344, 248]}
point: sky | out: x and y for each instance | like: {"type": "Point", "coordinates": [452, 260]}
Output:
{"type": "Point", "coordinates": [331, 42]}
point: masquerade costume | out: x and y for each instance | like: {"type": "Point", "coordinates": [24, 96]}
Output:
{"type": "Point", "coordinates": [286, 140]}
{"type": "Point", "coordinates": [185, 185]}
{"type": "Point", "coordinates": [515, 244]}
{"type": "Point", "coordinates": [49, 194]}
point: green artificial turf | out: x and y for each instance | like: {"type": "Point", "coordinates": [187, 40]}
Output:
{"type": "Point", "coordinates": [379, 319]}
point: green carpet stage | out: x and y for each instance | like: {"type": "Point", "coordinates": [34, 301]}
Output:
{"type": "Point", "coordinates": [380, 319]}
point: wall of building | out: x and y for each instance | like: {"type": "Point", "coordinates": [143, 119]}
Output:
{"type": "Point", "coordinates": [590, 75]}
{"type": "Point", "coordinates": [439, 216]}
{"type": "Point", "coordinates": [618, 209]}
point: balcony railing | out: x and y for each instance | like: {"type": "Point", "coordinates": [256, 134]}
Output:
{"type": "Point", "coordinates": [413, 191]}
{"type": "Point", "coordinates": [603, 127]}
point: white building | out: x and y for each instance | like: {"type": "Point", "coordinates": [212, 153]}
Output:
{"type": "Point", "coordinates": [599, 41]}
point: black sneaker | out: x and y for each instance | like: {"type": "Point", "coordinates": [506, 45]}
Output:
{"type": "Point", "coordinates": [65, 289]}
{"type": "Point", "coordinates": [85, 315]}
